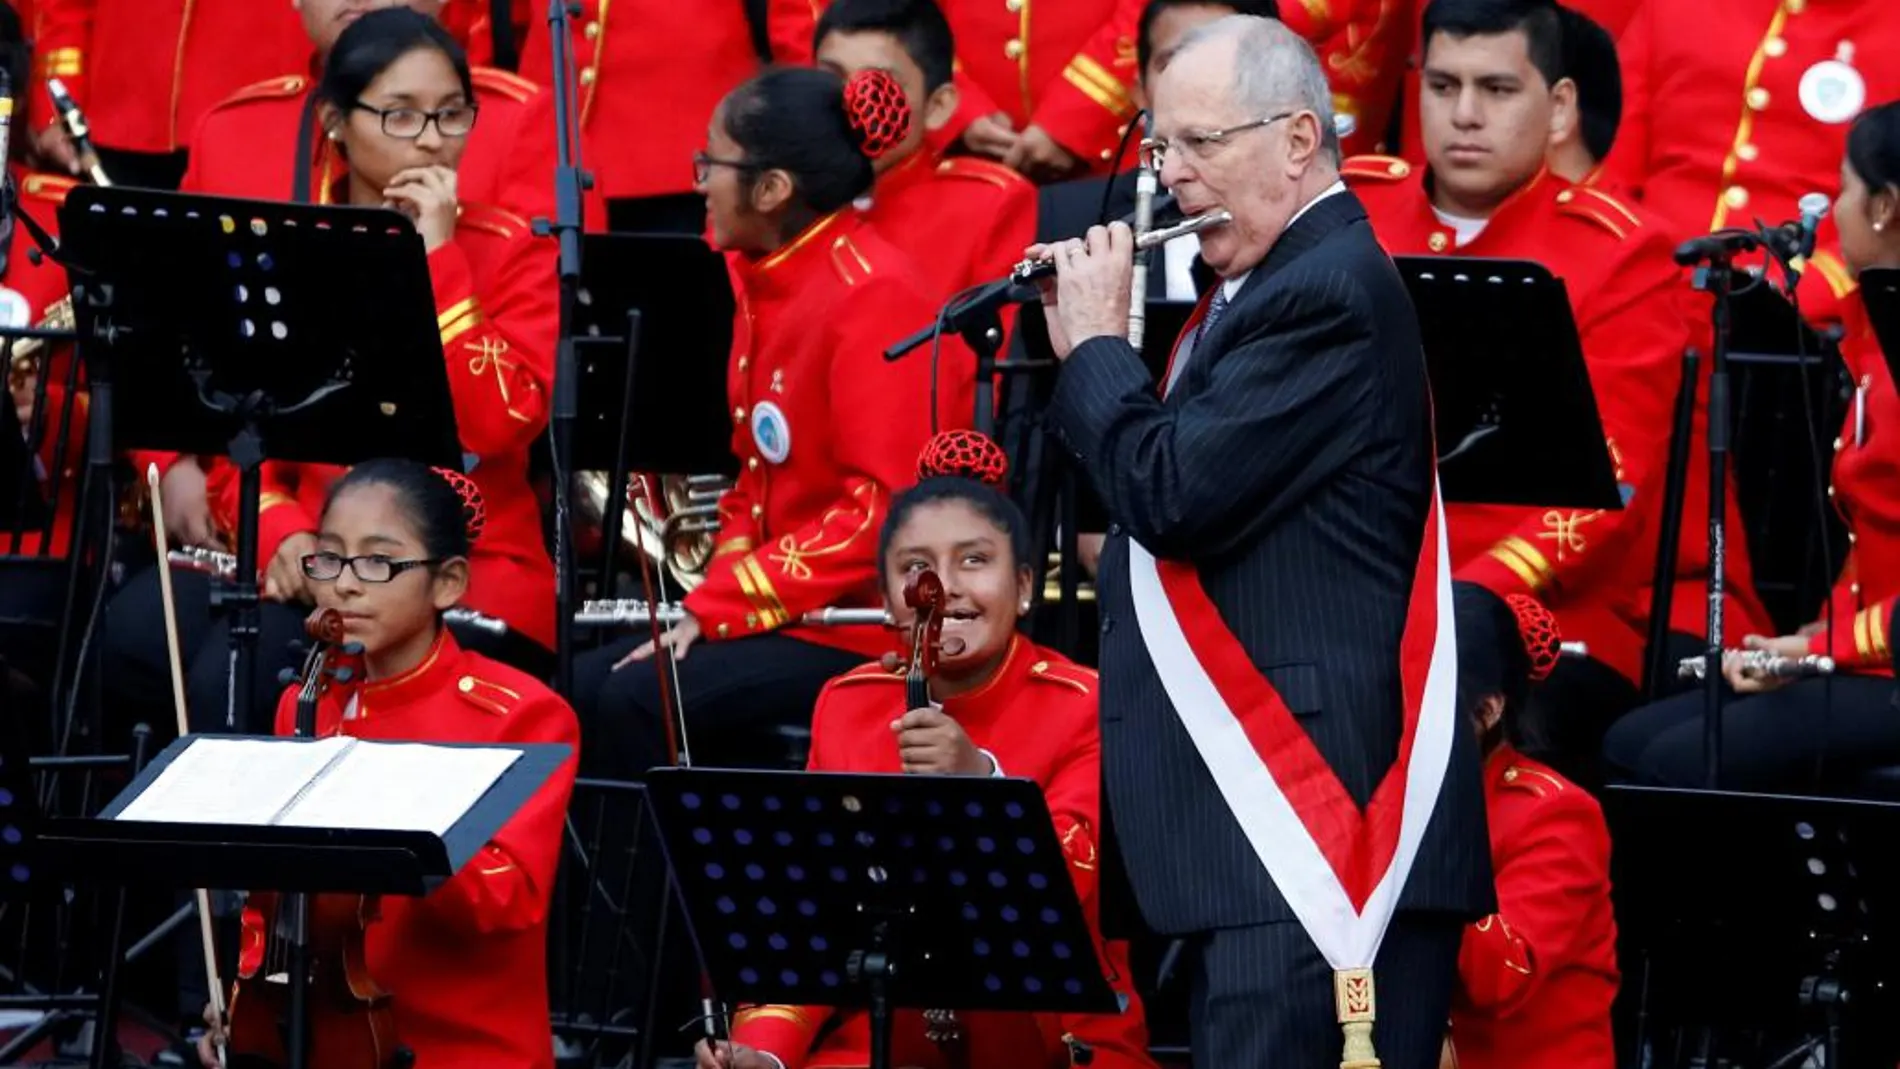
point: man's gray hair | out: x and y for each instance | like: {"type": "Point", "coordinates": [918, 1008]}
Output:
{"type": "Point", "coordinates": [1274, 70]}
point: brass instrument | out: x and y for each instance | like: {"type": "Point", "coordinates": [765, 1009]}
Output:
{"type": "Point", "coordinates": [616, 612]}
{"type": "Point", "coordinates": [1761, 664]}
{"type": "Point", "coordinates": [673, 519]}
{"type": "Point", "coordinates": [221, 565]}
{"type": "Point", "coordinates": [26, 361]}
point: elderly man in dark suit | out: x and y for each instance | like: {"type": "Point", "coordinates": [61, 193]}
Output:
{"type": "Point", "coordinates": [1285, 765]}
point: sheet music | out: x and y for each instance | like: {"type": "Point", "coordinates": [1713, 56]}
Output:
{"type": "Point", "coordinates": [400, 786]}
{"type": "Point", "coordinates": [233, 781]}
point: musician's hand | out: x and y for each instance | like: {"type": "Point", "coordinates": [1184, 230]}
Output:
{"type": "Point", "coordinates": [679, 638]}
{"type": "Point", "coordinates": [1093, 280]}
{"type": "Point", "coordinates": [55, 150]}
{"type": "Point", "coordinates": [729, 1056]}
{"type": "Point", "coordinates": [1040, 158]}
{"type": "Point", "coordinates": [991, 135]}
{"type": "Point", "coordinates": [283, 578]}
{"type": "Point", "coordinates": [427, 196]}
{"type": "Point", "coordinates": [1746, 682]}
{"type": "Point", "coordinates": [213, 1038]}
{"type": "Point", "coordinates": [929, 741]}
{"type": "Point", "coordinates": [188, 505]}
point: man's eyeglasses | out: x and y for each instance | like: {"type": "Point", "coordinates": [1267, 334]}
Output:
{"type": "Point", "coordinates": [1199, 144]}
{"type": "Point", "coordinates": [407, 124]}
{"type": "Point", "coordinates": [375, 568]}
{"type": "Point", "coordinates": [703, 165]}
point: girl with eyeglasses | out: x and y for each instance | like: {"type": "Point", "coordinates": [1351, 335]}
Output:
{"type": "Point", "coordinates": [396, 102]}
{"type": "Point", "coordinates": [466, 966]}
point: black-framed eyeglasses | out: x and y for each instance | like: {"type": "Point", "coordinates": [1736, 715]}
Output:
{"type": "Point", "coordinates": [1200, 144]}
{"type": "Point", "coordinates": [456, 120]}
{"type": "Point", "coordinates": [326, 567]}
{"type": "Point", "coordinates": [703, 165]}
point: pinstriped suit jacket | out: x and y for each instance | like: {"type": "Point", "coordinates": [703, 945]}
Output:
{"type": "Point", "coordinates": [1292, 465]}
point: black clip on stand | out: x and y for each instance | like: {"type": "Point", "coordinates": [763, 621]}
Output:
{"type": "Point", "coordinates": [977, 316]}
{"type": "Point", "coordinates": [238, 315]}
{"type": "Point", "coordinates": [1713, 258]}
{"type": "Point", "coordinates": [882, 891]}
{"type": "Point", "coordinates": [570, 186]}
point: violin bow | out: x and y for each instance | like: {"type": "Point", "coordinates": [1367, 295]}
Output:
{"type": "Point", "coordinates": [184, 728]}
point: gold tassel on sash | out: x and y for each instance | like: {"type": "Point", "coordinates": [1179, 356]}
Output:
{"type": "Point", "coordinates": [1352, 993]}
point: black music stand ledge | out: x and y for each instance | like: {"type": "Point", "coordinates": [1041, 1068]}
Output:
{"type": "Point", "coordinates": [226, 319]}
{"type": "Point", "coordinates": [1880, 292]}
{"type": "Point", "coordinates": [879, 891]}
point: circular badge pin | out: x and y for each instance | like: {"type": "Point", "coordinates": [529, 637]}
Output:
{"type": "Point", "coordinates": [1345, 123]}
{"type": "Point", "coordinates": [771, 432]}
{"type": "Point", "coordinates": [1832, 92]}
{"type": "Point", "coordinates": [15, 311]}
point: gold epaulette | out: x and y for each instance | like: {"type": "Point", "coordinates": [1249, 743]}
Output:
{"type": "Point", "coordinates": [1834, 271]}
{"type": "Point", "coordinates": [980, 170]}
{"type": "Point", "coordinates": [1375, 169]}
{"type": "Point", "coordinates": [1074, 676]}
{"type": "Point", "coordinates": [490, 218]}
{"type": "Point", "coordinates": [869, 673]}
{"type": "Point", "coordinates": [47, 187]}
{"type": "Point", "coordinates": [285, 85]}
{"type": "Point", "coordinates": [513, 86]}
{"type": "Point", "coordinates": [1535, 780]}
{"type": "Point", "coordinates": [488, 697]}
{"type": "Point", "coordinates": [1588, 202]}
{"type": "Point", "coordinates": [852, 266]}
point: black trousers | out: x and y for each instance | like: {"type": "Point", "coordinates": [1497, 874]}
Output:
{"type": "Point", "coordinates": [1263, 996]}
{"type": "Point", "coordinates": [739, 697]}
{"type": "Point", "coordinates": [1770, 742]}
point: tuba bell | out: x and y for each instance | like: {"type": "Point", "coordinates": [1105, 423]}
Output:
{"type": "Point", "coordinates": [672, 519]}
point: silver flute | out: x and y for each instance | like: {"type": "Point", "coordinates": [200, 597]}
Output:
{"type": "Point", "coordinates": [1031, 270]}
{"type": "Point", "coordinates": [615, 612]}
{"type": "Point", "coordinates": [1762, 663]}
{"type": "Point", "coordinates": [222, 565]}
{"type": "Point", "coordinates": [1147, 182]}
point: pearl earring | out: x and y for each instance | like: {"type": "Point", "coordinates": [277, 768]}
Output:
{"type": "Point", "coordinates": [1878, 227]}
{"type": "Point", "coordinates": [1025, 606]}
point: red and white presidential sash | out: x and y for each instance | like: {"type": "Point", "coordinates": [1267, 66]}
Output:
{"type": "Point", "coordinates": [1340, 869]}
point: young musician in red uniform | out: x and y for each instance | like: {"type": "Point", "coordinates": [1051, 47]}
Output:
{"type": "Point", "coordinates": [145, 72]}
{"type": "Point", "coordinates": [466, 966]}
{"type": "Point", "coordinates": [1002, 706]}
{"type": "Point", "coordinates": [964, 220]}
{"type": "Point", "coordinates": [1736, 117]}
{"type": "Point", "coordinates": [395, 101]}
{"type": "Point", "coordinates": [659, 67]}
{"type": "Point", "coordinates": [1487, 193]}
{"type": "Point", "coordinates": [821, 420]}
{"type": "Point", "coordinates": [1536, 978]}
{"type": "Point", "coordinates": [1777, 737]}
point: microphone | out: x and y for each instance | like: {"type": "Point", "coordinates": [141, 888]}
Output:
{"type": "Point", "coordinates": [1721, 245]}
{"type": "Point", "coordinates": [1813, 209]}
{"type": "Point", "coordinates": [78, 130]}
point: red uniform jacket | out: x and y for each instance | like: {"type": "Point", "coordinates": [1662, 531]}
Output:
{"type": "Point", "coordinates": [1067, 67]}
{"type": "Point", "coordinates": [1363, 45]}
{"type": "Point", "coordinates": [247, 145]}
{"type": "Point", "coordinates": [1537, 977]}
{"type": "Point", "coordinates": [495, 302]}
{"type": "Point", "coordinates": [825, 428]}
{"type": "Point", "coordinates": [466, 966]}
{"type": "Point", "coordinates": [1038, 718]}
{"type": "Point", "coordinates": [1587, 565]}
{"type": "Point", "coordinates": [145, 71]}
{"type": "Point", "coordinates": [1866, 491]}
{"type": "Point", "coordinates": [962, 220]}
{"type": "Point", "coordinates": [651, 73]}
{"type": "Point", "coordinates": [1726, 119]}
{"type": "Point", "coordinates": [39, 286]}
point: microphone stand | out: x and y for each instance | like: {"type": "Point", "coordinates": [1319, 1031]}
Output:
{"type": "Point", "coordinates": [570, 186]}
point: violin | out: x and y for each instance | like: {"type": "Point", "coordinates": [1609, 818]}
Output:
{"type": "Point", "coordinates": [924, 596]}
{"type": "Point", "coordinates": [349, 1019]}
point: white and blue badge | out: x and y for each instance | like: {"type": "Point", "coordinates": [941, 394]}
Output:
{"type": "Point", "coordinates": [1832, 91]}
{"type": "Point", "coordinates": [15, 311]}
{"type": "Point", "coordinates": [771, 432]}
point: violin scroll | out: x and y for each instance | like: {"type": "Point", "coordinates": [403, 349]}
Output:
{"type": "Point", "coordinates": [324, 626]}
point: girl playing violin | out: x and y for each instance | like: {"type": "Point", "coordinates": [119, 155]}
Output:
{"type": "Point", "coordinates": [397, 102]}
{"type": "Point", "coordinates": [1001, 705]}
{"type": "Point", "coordinates": [823, 425]}
{"type": "Point", "coordinates": [466, 966]}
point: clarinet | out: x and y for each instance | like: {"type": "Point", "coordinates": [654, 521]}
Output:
{"type": "Point", "coordinates": [1762, 664]}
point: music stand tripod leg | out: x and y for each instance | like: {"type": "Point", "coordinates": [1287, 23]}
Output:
{"type": "Point", "coordinates": [241, 594]}
{"type": "Point", "coordinates": [105, 1038]}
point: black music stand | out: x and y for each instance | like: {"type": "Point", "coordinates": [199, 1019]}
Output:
{"type": "Point", "coordinates": [1759, 912]}
{"type": "Point", "coordinates": [224, 318]}
{"type": "Point", "coordinates": [1880, 293]}
{"type": "Point", "coordinates": [654, 336]}
{"type": "Point", "coordinates": [879, 891]}
{"type": "Point", "coordinates": [178, 856]}
{"type": "Point", "coordinates": [1516, 418]}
